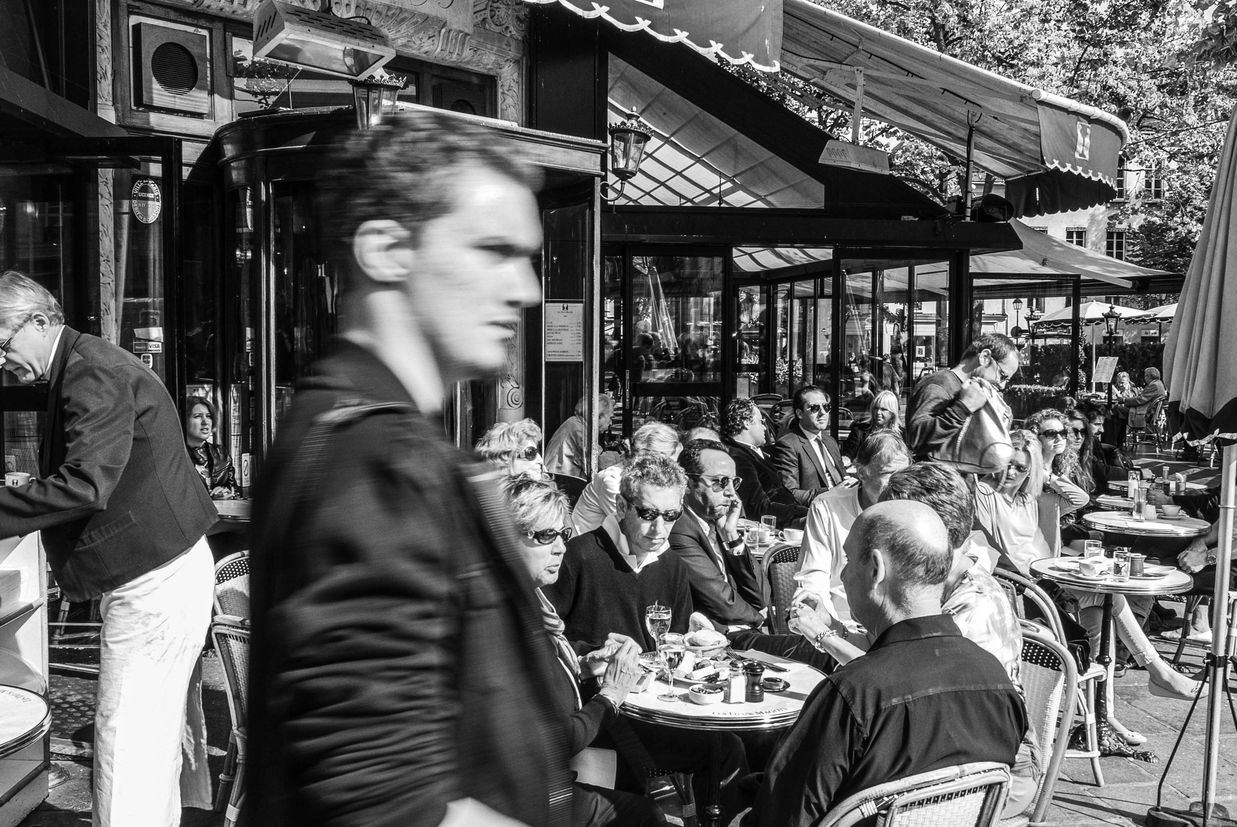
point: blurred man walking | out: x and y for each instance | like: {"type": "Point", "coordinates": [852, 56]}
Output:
{"type": "Point", "coordinates": [401, 672]}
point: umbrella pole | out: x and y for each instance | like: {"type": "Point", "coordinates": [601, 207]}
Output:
{"type": "Point", "coordinates": [1220, 627]}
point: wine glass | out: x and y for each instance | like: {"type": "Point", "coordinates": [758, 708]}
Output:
{"type": "Point", "coordinates": [670, 649]}
{"type": "Point", "coordinates": [657, 620]}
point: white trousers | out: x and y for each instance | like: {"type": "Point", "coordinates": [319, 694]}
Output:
{"type": "Point", "coordinates": [153, 630]}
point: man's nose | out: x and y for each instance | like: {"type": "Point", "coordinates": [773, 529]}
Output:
{"type": "Point", "coordinates": [525, 289]}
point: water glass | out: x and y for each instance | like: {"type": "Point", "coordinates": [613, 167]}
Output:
{"type": "Point", "coordinates": [657, 620]}
{"type": "Point", "coordinates": [1121, 565]}
{"type": "Point", "coordinates": [670, 649]}
{"type": "Point", "coordinates": [1138, 511]}
{"type": "Point", "coordinates": [1092, 548]}
{"type": "Point", "coordinates": [769, 523]}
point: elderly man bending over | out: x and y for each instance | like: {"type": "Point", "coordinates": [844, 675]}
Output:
{"type": "Point", "coordinates": [922, 698]}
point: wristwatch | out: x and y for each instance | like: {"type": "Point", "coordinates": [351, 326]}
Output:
{"type": "Point", "coordinates": [1212, 556]}
{"type": "Point", "coordinates": [735, 543]}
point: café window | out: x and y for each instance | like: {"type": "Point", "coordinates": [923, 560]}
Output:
{"type": "Point", "coordinates": [1120, 179]}
{"type": "Point", "coordinates": [1114, 244]}
{"type": "Point", "coordinates": [1076, 235]}
{"type": "Point", "coordinates": [1153, 183]}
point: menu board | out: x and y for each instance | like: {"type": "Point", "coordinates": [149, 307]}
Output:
{"type": "Point", "coordinates": [564, 332]}
{"type": "Point", "coordinates": [1105, 366]}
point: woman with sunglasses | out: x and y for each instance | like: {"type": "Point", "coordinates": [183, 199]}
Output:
{"type": "Point", "coordinates": [540, 514]}
{"type": "Point", "coordinates": [1061, 473]}
{"type": "Point", "coordinates": [514, 447]}
{"type": "Point", "coordinates": [833, 513]}
{"type": "Point", "coordinates": [883, 415]}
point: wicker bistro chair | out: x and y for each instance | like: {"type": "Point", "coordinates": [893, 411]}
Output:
{"type": "Point", "coordinates": [232, 585]}
{"type": "Point", "coordinates": [781, 563]}
{"type": "Point", "coordinates": [1147, 424]}
{"type": "Point", "coordinates": [231, 636]}
{"type": "Point", "coordinates": [1049, 680]}
{"type": "Point", "coordinates": [967, 795]}
{"type": "Point", "coordinates": [1021, 590]}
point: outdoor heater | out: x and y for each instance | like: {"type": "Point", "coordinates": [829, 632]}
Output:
{"type": "Point", "coordinates": [319, 39]}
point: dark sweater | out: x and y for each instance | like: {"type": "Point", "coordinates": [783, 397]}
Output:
{"type": "Point", "coordinates": [597, 592]}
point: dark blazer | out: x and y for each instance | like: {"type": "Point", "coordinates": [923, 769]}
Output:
{"type": "Point", "coordinates": [735, 597]}
{"type": "Point", "coordinates": [116, 496]}
{"type": "Point", "coordinates": [399, 660]}
{"type": "Point", "coordinates": [800, 469]}
{"type": "Point", "coordinates": [762, 491]}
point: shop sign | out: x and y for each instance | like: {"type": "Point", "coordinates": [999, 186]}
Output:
{"type": "Point", "coordinates": [853, 156]}
{"type": "Point", "coordinates": [147, 200]}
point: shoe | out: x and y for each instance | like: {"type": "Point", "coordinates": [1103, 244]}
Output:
{"type": "Point", "coordinates": [1161, 690]}
{"type": "Point", "coordinates": [1119, 670]}
{"type": "Point", "coordinates": [1191, 636]}
{"type": "Point", "coordinates": [1134, 739]}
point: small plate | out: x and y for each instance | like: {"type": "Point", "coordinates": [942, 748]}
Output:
{"type": "Point", "coordinates": [1064, 565]}
{"type": "Point", "coordinates": [1180, 515]}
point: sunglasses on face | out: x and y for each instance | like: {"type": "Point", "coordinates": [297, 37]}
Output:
{"type": "Point", "coordinates": [651, 514]}
{"type": "Point", "coordinates": [1051, 434]}
{"type": "Point", "coordinates": [1077, 431]}
{"type": "Point", "coordinates": [818, 408]}
{"type": "Point", "coordinates": [526, 454]}
{"type": "Point", "coordinates": [548, 535]}
{"type": "Point", "coordinates": [719, 483]}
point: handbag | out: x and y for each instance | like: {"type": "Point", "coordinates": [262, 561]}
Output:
{"type": "Point", "coordinates": [982, 444]}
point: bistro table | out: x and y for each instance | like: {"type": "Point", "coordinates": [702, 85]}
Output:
{"type": "Point", "coordinates": [778, 710]}
{"type": "Point", "coordinates": [1158, 580]}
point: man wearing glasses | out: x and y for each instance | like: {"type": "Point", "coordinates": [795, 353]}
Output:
{"type": "Point", "coordinates": [123, 516]}
{"type": "Point", "coordinates": [942, 402]}
{"type": "Point", "coordinates": [808, 459]}
{"type": "Point", "coordinates": [728, 586]}
{"type": "Point", "coordinates": [611, 574]}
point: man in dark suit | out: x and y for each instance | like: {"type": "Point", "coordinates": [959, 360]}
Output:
{"type": "Point", "coordinates": [401, 673]}
{"type": "Point", "coordinates": [727, 585]}
{"type": "Point", "coordinates": [761, 489]}
{"type": "Point", "coordinates": [123, 516]}
{"type": "Point", "coordinates": [807, 458]}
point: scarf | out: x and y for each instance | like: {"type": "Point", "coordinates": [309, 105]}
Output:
{"type": "Point", "coordinates": [555, 627]}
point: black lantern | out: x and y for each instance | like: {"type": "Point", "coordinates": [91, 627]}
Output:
{"type": "Point", "coordinates": [375, 98]}
{"type": "Point", "coordinates": [627, 142]}
{"type": "Point", "coordinates": [1111, 317]}
{"type": "Point", "coordinates": [1033, 315]}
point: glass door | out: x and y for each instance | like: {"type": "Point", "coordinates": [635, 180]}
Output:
{"type": "Point", "coordinates": [97, 223]}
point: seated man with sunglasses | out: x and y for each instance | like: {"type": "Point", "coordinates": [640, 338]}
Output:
{"type": "Point", "coordinates": [807, 458]}
{"type": "Point", "coordinates": [612, 573]}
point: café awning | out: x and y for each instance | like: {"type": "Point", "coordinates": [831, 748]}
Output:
{"type": "Point", "coordinates": [1053, 153]}
{"type": "Point", "coordinates": [1070, 258]}
{"type": "Point", "coordinates": [738, 31]}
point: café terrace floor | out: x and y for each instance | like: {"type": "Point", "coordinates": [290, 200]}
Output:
{"type": "Point", "coordinates": [1129, 788]}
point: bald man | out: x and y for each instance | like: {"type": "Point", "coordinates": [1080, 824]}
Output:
{"type": "Point", "coordinates": [922, 698]}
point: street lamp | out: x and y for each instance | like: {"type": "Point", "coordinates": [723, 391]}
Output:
{"type": "Point", "coordinates": [1017, 310]}
{"type": "Point", "coordinates": [627, 142]}
{"type": "Point", "coordinates": [1033, 316]}
{"type": "Point", "coordinates": [1111, 317]}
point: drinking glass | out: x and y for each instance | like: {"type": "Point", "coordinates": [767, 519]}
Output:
{"type": "Point", "coordinates": [657, 620]}
{"type": "Point", "coordinates": [1092, 548]}
{"type": "Point", "coordinates": [1121, 565]}
{"type": "Point", "coordinates": [769, 523]}
{"type": "Point", "coordinates": [670, 649]}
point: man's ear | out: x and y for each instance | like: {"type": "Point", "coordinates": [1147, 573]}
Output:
{"type": "Point", "coordinates": [383, 250]}
{"type": "Point", "coordinates": [620, 506]}
{"type": "Point", "coordinates": [879, 566]}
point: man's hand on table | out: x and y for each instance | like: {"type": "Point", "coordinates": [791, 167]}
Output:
{"type": "Point", "coordinates": [1196, 557]}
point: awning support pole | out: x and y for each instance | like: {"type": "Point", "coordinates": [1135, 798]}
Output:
{"type": "Point", "coordinates": [972, 118]}
{"type": "Point", "coordinates": [857, 113]}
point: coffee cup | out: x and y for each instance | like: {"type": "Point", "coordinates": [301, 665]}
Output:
{"type": "Point", "coordinates": [1091, 566]}
{"type": "Point", "coordinates": [1171, 510]}
{"type": "Point", "coordinates": [16, 478]}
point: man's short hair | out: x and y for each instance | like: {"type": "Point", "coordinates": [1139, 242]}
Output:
{"type": "Point", "coordinates": [701, 432]}
{"type": "Point", "coordinates": [882, 449]}
{"type": "Point", "coordinates": [800, 397]}
{"type": "Point", "coordinates": [605, 404]}
{"type": "Point", "coordinates": [942, 489]}
{"type": "Point", "coordinates": [535, 502]}
{"type": "Point", "coordinates": [653, 470]}
{"type": "Point", "coordinates": [657, 437]}
{"type": "Point", "coordinates": [21, 297]}
{"type": "Point", "coordinates": [499, 441]}
{"type": "Point", "coordinates": [999, 344]}
{"type": "Point", "coordinates": [407, 170]}
{"type": "Point", "coordinates": [1151, 373]}
{"type": "Point", "coordinates": [690, 459]}
{"type": "Point", "coordinates": [913, 563]}
{"type": "Point", "coordinates": [737, 415]}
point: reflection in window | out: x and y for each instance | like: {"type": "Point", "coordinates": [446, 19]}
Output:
{"type": "Point", "coordinates": [677, 318]}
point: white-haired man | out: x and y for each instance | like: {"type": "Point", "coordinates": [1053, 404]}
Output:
{"type": "Point", "coordinates": [597, 500]}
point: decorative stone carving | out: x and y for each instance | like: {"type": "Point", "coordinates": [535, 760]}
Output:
{"type": "Point", "coordinates": [506, 17]}
{"type": "Point", "coordinates": [105, 106]}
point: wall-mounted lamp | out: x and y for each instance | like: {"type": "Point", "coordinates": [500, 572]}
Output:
{"type": "Point", "coordinates": [627, 142]}
{"type": "Point", "coordinates": [320, 40]}
{"type": "Point", "coordinates": [375, 98]}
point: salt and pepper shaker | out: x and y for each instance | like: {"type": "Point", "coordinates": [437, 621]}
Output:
{"type": "Point", "coordinates": [754, 672]}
